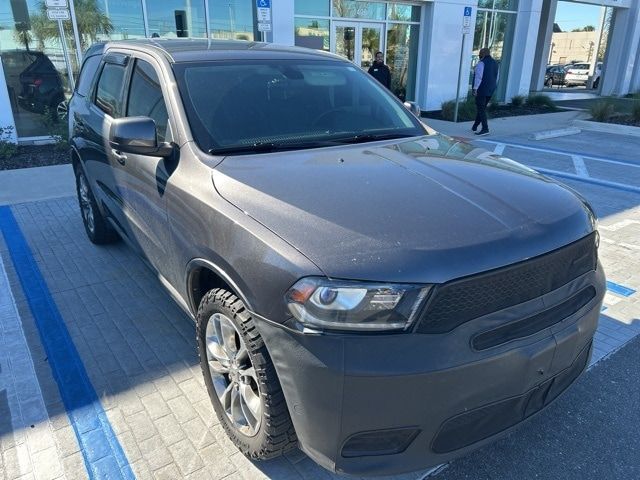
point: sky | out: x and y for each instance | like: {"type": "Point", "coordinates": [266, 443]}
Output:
{"type": "Point", "coordinates": [572, 15]}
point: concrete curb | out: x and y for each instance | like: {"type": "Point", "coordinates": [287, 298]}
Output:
{"type": "Point", "coordinates": [607, 128]}
{"type": "Point", "coordinates": [560, 132]}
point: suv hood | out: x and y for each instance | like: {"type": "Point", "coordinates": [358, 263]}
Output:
{"type": "Point", "coordinates": [423, 210]}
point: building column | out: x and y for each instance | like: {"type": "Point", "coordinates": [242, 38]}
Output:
{"type": "Point", "coordinates": [622, 51]}
{"type": "Point", "coordinates": [523, 51]}
{"type": "Point", "coordinates": [543, 47]}
{"type": "Point", "coordinates": [6, 112]}
{"type": "Point", "coordinates": [282, 22]}
{"type": "Point", "coordinates": [441, 48]}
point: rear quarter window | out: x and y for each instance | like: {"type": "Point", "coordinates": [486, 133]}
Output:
{"type": "Point", "coordinates": [87, 74]}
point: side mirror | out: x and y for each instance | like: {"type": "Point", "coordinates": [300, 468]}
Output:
{"type": "Point", "coordinates": [413, 108]}
{"type": "Point", "coordinates": [137, 135]}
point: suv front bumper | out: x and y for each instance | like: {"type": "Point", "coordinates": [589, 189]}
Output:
{"type": "Point", "coordinates": [450, 397]}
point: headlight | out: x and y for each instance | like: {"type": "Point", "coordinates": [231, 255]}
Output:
{"type": "Point", "coordinates": [320, 303]}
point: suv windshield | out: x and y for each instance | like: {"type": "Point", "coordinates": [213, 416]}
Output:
{"type": "Point", "coordinates": [268, 105]}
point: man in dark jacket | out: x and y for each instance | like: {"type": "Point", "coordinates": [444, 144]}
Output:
{"type": "Point", "coordinates": [485, 80]}
{"type": "Point", "coordinates": [380, 71]}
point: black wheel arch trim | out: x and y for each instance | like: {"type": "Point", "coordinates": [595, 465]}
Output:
{"type": "Point", "coordinates": [201, 262]}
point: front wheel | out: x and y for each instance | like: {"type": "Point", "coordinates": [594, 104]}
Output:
{"type": "Point", "coordinates": [97, 227]}
{"type": "Point", "coordinates": [241, 379]}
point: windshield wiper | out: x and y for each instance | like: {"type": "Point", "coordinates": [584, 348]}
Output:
{"type": "Point", "coordinates": [266, 147]}
{"type": "Point", "coordinates": [371, 137]}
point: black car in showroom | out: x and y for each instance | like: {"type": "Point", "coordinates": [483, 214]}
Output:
{"type": "Point", "coordinates": [385, 297]}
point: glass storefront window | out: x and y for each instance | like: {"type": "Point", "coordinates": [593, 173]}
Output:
{"type": "Point", "coordinates": [319, 8]}
{"type": "Point", "coordinates": [402, 59]}
{"type": "Point", "coordinates": [232, 19]}
{"type": "Point", "coordinates": [176, 18]}
{"type": "Point", "coordinates": [109, 20]}
{"type": "Point", "coordinates": [495, 31]}
{"type": "Point", "coordinates": [312, 33]}
{"type": "Point", "coordinates": [511, 5]}
{"type": "Point", "coordinates": [403, 13]}
{"type": "Point", "coordinates": [358, 9]}
{"type": "Point", "coordinates": [38, 76]}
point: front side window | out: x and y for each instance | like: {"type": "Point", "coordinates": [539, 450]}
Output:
{"type": "Point", "coordinates": [288, 104]}
{"type": "Point", "coordinates": [109, 92]}
{"type": "Point", "coordinates": [145, 98]}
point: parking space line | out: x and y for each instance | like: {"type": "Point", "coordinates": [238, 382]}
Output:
{"type": "Point", "coordinates": [578, 164]}
{"type": "Point", "coordinates": [595, 181]}
{"type": "Point", "coordinates": [102, 453]}
{"type": "Point", "coordinates": [499, 150]}
{"type": "Point", "coordinates": [561, 152]}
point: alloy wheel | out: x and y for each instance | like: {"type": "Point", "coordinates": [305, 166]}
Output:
{"type": "Point", "coordinates": [233, 375]}
{"type": "Point", "coordinates": [85, 203]}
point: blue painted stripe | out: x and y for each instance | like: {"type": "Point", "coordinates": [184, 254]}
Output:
{"type": "Point", "coordinates": [102, 453]}
{"type": "Point", "coordinates": [620, 289]}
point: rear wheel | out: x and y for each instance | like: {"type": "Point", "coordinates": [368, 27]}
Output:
{"type": "Point", "coordinates": [97, 227]}
{"type": "Point", "coordinates": [241, 379]}
{"type": "Point", "coordinates": [549, 82]}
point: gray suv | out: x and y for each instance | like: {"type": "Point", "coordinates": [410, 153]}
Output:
{"type": "Point", "coordinates": [382, 296]}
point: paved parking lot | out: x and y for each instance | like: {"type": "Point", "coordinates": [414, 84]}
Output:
{"type": "Point", "coordinates": [134, 402]}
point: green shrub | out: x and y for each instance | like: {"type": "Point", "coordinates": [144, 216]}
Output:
{"type": "Point", "coordinates": [635, 111]}
{"type": "Point", "coordinates": [518, 100]}
{"type": "Point", "coordinates": [7, 147]}
{"type": "Point", "coordinates": [57, 128]}
{"type": "Point", "coordinates": [466, 109]}
{"type": "Point", "coordinates": [601, 111]}
{"type": "Point", "coordinates": [540, 100]}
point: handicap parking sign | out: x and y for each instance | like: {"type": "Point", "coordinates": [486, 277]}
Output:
{"type": "Point", "coordinates": [263, 3]}
{"type": "Point", "coordinates": [467, 11]}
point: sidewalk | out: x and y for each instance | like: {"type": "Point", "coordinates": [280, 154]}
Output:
{"type": "Point", "coordinates": [37, 183]}
{"type": "Point", "coordinates": [507, 126]}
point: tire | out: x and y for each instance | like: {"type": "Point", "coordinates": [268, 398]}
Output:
{"type": "Point", "coordinates": [240, 372]}
{"type": "Point", "coordinates": [596, 83]}
{"type": "Point", "coordinates": [95, 224]}
{"type": "Point", "coordinates": [549, 82]}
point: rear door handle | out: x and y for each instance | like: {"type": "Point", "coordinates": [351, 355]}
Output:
{"type": "Point", "coordinates": [120, 157]}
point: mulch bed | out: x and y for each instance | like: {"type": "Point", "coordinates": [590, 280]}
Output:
{"type": "Point", "coordinates": [35, 156]}
{"type": "Point", "coordinates": [623, 120]}
{"type": "Point", "coordinates": [499, 111]}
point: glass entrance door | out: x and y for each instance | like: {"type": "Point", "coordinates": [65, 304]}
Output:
{"type": "Point", "coordinates": [358, 42]}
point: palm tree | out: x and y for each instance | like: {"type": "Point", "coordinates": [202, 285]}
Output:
{"type": "Point", "coordinates": [90, 19]}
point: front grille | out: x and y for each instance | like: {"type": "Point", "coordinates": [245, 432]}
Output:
{"type": "Point", "coordinates": [471, 427]}
{"type": "Point", "coordinates": [459, 301]}
{"type": "Point", "coordinates": [535, 323]}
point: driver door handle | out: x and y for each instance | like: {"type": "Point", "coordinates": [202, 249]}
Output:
{"type": "Point", "coordinates": [120, 157]}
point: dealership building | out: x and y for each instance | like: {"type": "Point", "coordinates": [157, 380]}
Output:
{"type": "Point", "coordinates": [430, 46]}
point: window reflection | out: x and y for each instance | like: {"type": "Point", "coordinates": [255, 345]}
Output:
{"type": "Point", "coordinates": [176, 18]}
{"type": "Point", "coordinates": [232, 19]}
{"type": "Point", "coordinates": [312, 33]}
{"type": "Point", "coordinates": [358, 9]}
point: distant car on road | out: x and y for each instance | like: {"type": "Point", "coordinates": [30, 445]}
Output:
{"type": "Point", "coordinates": [578, 74]}
{"type": "Point", "coordinates": [555, 75]}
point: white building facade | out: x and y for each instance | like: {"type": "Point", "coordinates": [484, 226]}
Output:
{"type": "Point", "coordinates": [428, 45]}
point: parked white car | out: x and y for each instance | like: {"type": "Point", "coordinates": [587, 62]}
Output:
{"type": "Point", "coordinates": [578, 74]}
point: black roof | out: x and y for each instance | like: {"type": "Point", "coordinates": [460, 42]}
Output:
{"type": "Point", "coordinates": [197, 49]}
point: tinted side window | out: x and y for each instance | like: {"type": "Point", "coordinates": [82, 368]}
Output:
{"type": "Point", "coordinates": [109, 94]}
{"type": "Point", "coordinates": [145, 97]}
{"type": "Point", "coordinates": [86, 75]}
